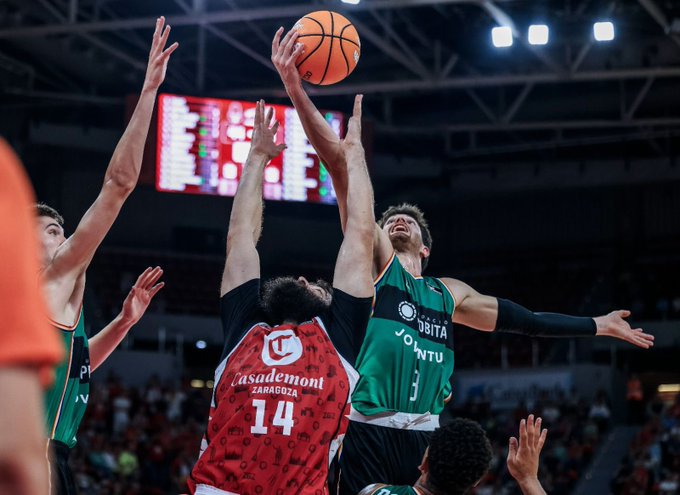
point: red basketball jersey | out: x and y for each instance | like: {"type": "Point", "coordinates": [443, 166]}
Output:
{"type": "Point", "coordinates": [277, 414]}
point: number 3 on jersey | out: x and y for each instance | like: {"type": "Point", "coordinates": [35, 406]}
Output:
{"type": "Point", "coordinates": [281, 418]}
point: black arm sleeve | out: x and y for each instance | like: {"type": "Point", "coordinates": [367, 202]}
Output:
{"type": "Point", "coordinates": [513, 318]}
{"type": "Point", "coordinates": [239, 310]}
{"type": "Point", "coordinates": [346, 321]}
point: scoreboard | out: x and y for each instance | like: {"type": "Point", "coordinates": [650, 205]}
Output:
{"type": "Point", "coordinates": [203, 143]}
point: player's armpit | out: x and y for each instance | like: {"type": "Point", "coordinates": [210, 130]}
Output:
{"type": "Point", "coordinates": [472, 309]}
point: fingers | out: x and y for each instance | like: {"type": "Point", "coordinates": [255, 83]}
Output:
{"type": "Point", "coordinates": [541, 440]}
{"type": "Point", "coordinates": [280, 148]}
{"type": "Point", "coordinates": [523, 432]}
{"type": "Point", "coordinates": [512, 448]}
{"type": "Point", "coordinates": [358, 99]}
{"type": "Point", "coordinates": [154, 290]}
{"type": "Point", "coordinates": [258, 116]}
{"type": "Point", "coordinates": [159, 26]}
{"type": "Point", "coordinates": [289, 44]}
{"type": "Point", "coordinates": [268, 118]}
{"type": "Point", "coordinates": [537, 431]}
{"type": "Point", "coordinates": [168, 51]}
{"type": "Point", "coordinates": [276, 41]}
{"type": "Point", "coordinates": [623, 313]}
{"type": "Point", "coordinates": [531, 431]}
{"type": "Point", "coordinates": [297, 51]}
{"type": "Point", "coordinates": [275, 128]}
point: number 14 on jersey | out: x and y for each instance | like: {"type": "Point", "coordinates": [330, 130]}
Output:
{"type": "Point", "coordinates": [283, 417]}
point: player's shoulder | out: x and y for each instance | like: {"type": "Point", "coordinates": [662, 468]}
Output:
{"type": "Point", "coordinates": [372, 489]}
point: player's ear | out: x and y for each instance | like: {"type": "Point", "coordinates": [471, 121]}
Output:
{"type": "Point", "coordinates": [425, 463]}
{"type": "Point", "coordinates": [424, 252]}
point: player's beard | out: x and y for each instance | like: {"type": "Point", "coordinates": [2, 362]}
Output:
{"type": "Point", "coordinates": [404, 244]}
{"type": "Point", "coordinates": [287, 299]}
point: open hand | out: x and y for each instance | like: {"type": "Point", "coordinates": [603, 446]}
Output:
{"type": "Point", "coordinates": [284, 54]}
{"type": "Point", "coordinates": [614, 325]}
{"type": "Point", "coordinates": [158, 56]}
{"type": "Point", "coordinates": [264, 133]}
{"type": "Point", "coordinates": [141, 294]}
{"type": "Point", "coordinates": [523, 455]}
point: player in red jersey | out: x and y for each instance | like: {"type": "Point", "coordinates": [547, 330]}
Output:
{"type": "Point", "coordinates": [281, 392]}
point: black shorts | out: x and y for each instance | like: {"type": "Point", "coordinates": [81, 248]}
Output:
{"type": "Point", "coordinates": [377, 454]}
{"type": "Point", "coordinates": [61, 477]}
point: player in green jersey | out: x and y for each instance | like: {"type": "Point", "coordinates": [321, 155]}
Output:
{"type": "Point", "coordinates": [64, 263]}
{"type": "Point", "coordinates": [458, 457]}
{"type": "Point", "coordinates": [406, 362]}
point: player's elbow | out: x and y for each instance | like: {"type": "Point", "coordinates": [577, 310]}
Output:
{"type": "Point", "coordinates": [123, 182]}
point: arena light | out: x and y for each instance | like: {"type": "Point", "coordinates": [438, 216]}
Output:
{"type": "Point", "coordinates": [539, 34]}
{"type": "Point", "coordinates": [201, 344]}
{"type": "Point", "coordinates": [669, 388]}
{"type": "Point", "coordinates": [603, 31]}
{"type": "Point", "coordinates": [501, 36]}
{"type": "Point", "coordinates": [195, 383]}
{"type": "Point", "coordinates": [353, 2]}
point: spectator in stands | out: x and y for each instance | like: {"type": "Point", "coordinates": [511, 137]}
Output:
{"type": "Point", "coordinates": [635, 400]}
{"type": "Point", "coordinates": [600, 412]}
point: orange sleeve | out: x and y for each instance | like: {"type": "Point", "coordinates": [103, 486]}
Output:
{"type": "Point", "coordinates": [26, 338]}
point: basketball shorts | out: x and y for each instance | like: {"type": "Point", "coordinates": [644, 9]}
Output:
{"type": "Point", "coordinates": [378, 454]}
{"type": "Point", "coordinates": [61, 477]}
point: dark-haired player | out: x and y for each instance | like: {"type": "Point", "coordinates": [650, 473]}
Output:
{"type": "Point", "coordinates": [406, 362]}
{"type": "Point", "coordinates": [64, 263]}
{"type": "Point", "coordinates": [459, 455]}
{"type": "Point", "coordinates": [280, 396]}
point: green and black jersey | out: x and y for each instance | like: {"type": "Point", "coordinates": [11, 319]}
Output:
{"type": "Point", "coordinates": [66, 400]}
{"type": "Point", "coordinates": [406, 361]}
{"type": "Point", "coordinates": [380, 489]}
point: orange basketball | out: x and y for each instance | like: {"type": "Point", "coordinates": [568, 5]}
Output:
{"type": "Point", "coordinates": [332, 47]}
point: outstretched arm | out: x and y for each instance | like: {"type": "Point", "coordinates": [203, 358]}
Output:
{"type": "Point", "coordinates": [243, 262]}
{"type": "Point", "coordinates": [355, 259]}
{"type": "Point", "coordinates": [488, 314]}
{"type": "Point", "coordinates": [523, 456]}
{"type": "Point", "coordinates": [123, 170]}
{"type": "Point", "coordinates": [326, 143]}
{"type": "Point", "coordinates": [134, 307]}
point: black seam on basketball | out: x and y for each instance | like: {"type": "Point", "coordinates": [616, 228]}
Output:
{"type": "Point", "coordinates": [342, 49]}
{"type": "Point", "coordinates": [331, 36]}
{"type": "Point", "coordinates": [297, 66]}
{"type": "Point", "coordinates": [323, 31]}
{"type": "Point", "coordinates": [330, 50]}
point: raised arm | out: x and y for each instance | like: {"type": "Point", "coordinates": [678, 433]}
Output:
{"type": "Point", "coordinates": [321, 136]}
{"type": "Point", "coordinates": [355, 259]}
{"type": "Point", "coordinates": [488, 314]}
{"type": "Point", "coordinates": [121, 176]}
{"type": "Point", "coordinates": [243, 262]}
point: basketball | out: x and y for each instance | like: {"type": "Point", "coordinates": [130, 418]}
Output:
{"type": "Point", "coordinates": [332, 47]}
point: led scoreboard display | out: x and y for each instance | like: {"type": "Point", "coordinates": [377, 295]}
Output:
{"type": "Point", "coordinates": [203, 144]}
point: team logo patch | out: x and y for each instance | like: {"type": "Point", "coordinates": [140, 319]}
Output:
{"type": "Point", "coordinates": [407, 311]}
{"type": "Point", "coordinates": [281, 347]}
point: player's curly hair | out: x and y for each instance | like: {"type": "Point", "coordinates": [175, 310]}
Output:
{"type": "Point", "coordinates": [417, 214]}
{"type": "Point", "coordinates": [43, 210]}
{"type": "Point", "coordinates": [459, 455]}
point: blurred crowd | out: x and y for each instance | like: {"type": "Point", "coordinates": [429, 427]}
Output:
{"type": "Point", "coordinates": [144, 441]}
{"type": "Point", "coordinates": [652, 464]}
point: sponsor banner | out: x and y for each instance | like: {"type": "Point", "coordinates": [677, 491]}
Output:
{"type": "Point", "coordinates": [506, 389]}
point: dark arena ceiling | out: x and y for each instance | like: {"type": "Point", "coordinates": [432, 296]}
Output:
{"type": "Point", "coordinates": [436, 86]}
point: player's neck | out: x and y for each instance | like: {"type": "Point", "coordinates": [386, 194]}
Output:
{"type": "Point", "coordinates": [421, 487]}
{"type": "Point", "coordinates": [410, 262]}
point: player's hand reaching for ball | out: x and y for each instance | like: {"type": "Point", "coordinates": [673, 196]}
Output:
{"type": "Point", "coordinates": [158, 56]}
{"type": "Point", "coordinates": [284, 54]}
{"type": "Point", "coordinates": [614, 325]}
{"type": "Point", "coordinates": [264, 133]}
{"type": "Point", "coordinates": [352, 141]}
